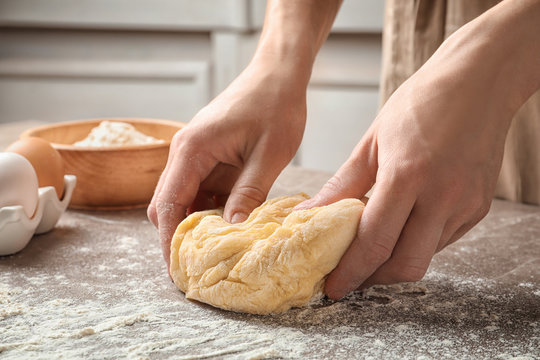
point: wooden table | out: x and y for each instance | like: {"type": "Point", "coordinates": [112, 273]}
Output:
{"type": "Point", "coordinates": [96, 287]}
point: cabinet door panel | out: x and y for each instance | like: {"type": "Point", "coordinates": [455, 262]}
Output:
{"type": "Point", "coordinates": [66, 90]}
{"type": "Point", "coordinates": [126, 14]}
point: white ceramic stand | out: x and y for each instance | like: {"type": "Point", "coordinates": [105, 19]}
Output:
{"type": "Point", "coordinates": [16, 229]}
{"type": "Point", "coordinates": [54, 208]}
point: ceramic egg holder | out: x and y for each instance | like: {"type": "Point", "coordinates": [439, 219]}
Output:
{"type": "Point", "coordinates": [16, 228]}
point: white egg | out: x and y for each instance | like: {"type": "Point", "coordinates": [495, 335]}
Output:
{"type": "Point", "coordinates": [18, 182]}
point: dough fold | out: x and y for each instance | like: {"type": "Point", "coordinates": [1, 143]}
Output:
{"type": "Point", "coordinates": [275, 260]}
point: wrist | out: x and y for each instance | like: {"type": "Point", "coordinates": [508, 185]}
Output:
{"type": "Point", "coordinates": [292, 34]}
{"type": "Point", "coordinates": [290, 75]}
{"type": "Point", "coordinates": [265, 81]}
{"type": "Point", "coordinates": [285, 59]}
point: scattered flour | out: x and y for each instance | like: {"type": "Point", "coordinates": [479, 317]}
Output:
{"type": "Point", "coordinates": [106, 296]}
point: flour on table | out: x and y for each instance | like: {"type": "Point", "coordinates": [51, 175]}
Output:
{"type": "Point", "coordinates": [116, 133]}
{"type": "Point", "coordinates": [59, 300]}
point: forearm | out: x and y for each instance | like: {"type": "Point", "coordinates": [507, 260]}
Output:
{"type": "Point", "coordinates": [498, 53]}
{"type": "Point", "coordinates": [293, 33]}
{"type": "Point", "coordinates": [517, 37]}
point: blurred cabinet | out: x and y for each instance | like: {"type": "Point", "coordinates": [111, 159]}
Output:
{"type": "Point", "coordinates": [63, 60]}
{"type": "Point", "coordinates": [56, 75]}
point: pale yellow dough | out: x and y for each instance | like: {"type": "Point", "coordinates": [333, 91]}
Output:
{"type": "Point", "coordinates": [275, 260]}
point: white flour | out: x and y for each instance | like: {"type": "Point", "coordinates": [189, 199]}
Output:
{"type": "Point", "coordinates": [106, 296]}
{"type": "Point", "coordinates": [116, 133]}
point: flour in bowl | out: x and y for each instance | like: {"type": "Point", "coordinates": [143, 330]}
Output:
{"type": "Point", "coordinates": [116, 133]}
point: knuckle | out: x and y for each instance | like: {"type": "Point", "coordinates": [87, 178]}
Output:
{"type": "Point", "coordinates": [480, 215]}
{"type": "Point", "coordinates": [179, 136]}
{"type": "Point", "coordinates": [417, 166]}
{"type": "Point", "coordinates": [410, 272]}
{"type": "Point", "coordinates": [250, 194]}
{"type": "Point", "coordinates": [475, 203]}
{"type": "Point", "coordinates": [334, 185]}
{"type": "Point", "coordinates": [478, 207]}
{"type": "Point", "coordinates": [406, 176]}
{"type": "Point", "coordinates": [164, 206]}
{"type": "Point", "coordinates": [151, 213]}
{"type": "Point", "coordinates": [378, 253]}
{"type": "Point", "coordinates": [185, 137]}
{"type": "Point", "coordinates": [407, 269]}
{"type": "Point", "coordinates": [483, 210]}
{"type": "Point", "coordinates": [161, 202]}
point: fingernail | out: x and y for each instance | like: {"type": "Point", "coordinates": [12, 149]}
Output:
{"type": "Point", "coordinates": [335, 294]}
{"type": "Point", "coordinates": [238, 218]}
{"type": "Point", "coordinates": [334, 290]}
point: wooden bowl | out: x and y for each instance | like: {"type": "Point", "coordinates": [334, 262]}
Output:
{"type": "Point", "coordinates": [111, 178]}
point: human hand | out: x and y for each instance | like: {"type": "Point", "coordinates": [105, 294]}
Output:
{"type": "Point", "coordinates": [232, 150]}
{"type": "Point", "coordinates": [433, 153]}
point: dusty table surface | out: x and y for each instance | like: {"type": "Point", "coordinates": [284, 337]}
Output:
{"type": "Point", "coordinates": [96, 287]}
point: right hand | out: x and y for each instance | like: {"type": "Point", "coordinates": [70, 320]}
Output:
{"type": "Point", "coordinates": [232, 151]}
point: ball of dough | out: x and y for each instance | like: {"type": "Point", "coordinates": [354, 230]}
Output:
{"type": "Point", "coordinates": [276, 259]}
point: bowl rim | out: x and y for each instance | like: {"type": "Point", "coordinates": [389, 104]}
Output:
{"type": "Point", "coordinates": [31, 133]}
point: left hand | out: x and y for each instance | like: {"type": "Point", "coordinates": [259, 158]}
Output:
{"type": "Point", "coordinates": [434, 153]}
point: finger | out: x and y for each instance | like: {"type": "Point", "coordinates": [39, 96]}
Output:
{"type": "Point", "coordinates": [178, 192]}
{"type": "Point", "coordinates": [464, 219]}
{"type": "Point", "coordinates": [380, 227]}
{"type": "Point", "coordinates": [151, 211]}
{"type": "Point", "coordinates": [353, 180]}
{"type": "Point", "coordinates": [452, 235]}
{"type": "Point", "coordinates": [251, 189]}
{"type": "Point", "coordinates": [213, 191]}
{"type": "Point", "coordinates": [414, 250]}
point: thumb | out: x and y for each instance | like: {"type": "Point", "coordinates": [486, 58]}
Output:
{"type": "Point", "coordinates": [352, 180]}
{"type": "Point", "coordinates": [249, 191]}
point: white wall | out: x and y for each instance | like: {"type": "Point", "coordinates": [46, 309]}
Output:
{"type": "Point", "coordinates": [63, 60]}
